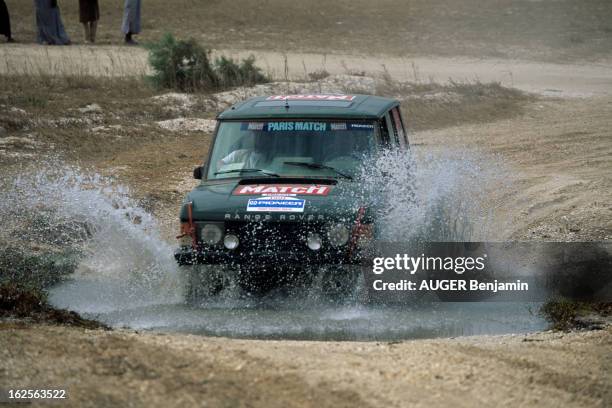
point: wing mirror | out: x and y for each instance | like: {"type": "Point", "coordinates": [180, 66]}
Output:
{"type": "Point", "coordinates": [197, 173]}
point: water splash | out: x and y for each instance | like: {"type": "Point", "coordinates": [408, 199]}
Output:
{"type": "Point", "coordinates": [58, 206]}
{"type": "Point", "coordinates": [436, 197]}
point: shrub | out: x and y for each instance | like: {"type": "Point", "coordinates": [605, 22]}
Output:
{"type": "Point", "coordinates": [565, 314]}
{"type": "Point", "coordinates": [182, 65]}
{"type": "Point", "coordinates": [318, 75]}
{"type": "Point", "coordinates": [36, 270]}
{"type": "Point", "coordinates": [228, 71]}
{"type": "Point", "coordinates": [23, 278]}
{"type": "Point", "coordinates": [186, 66]}
{"type": "Point", "coordinates": [245, 73]}
{"type": "Point", "coordinates": [561, 313]}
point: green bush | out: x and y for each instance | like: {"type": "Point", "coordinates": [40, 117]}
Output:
{"type": "Point", "coordinates": [24, 275]}
{"type": "Point", "coordinates": [245, 73]}
{"type": "Point", "coordinates": [186, 66]}
{"type": "Point", "coordinates": [182, 65]}
{"type": "Point", "coordinates": [561, 313]}
{"type": "Point", "coordinates": [36, 270]}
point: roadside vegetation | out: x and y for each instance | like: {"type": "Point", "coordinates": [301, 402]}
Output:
{"type": "Point", "coordinates": [187, 66]}
{"type": "Point", "coordinates": [565, 314]}
{"type": "Point", "coordinates": [24, 276]}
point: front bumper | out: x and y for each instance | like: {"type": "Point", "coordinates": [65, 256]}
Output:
{"type": "Point", "coordinates": [186, 255]}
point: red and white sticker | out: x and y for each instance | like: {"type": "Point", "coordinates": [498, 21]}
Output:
{"type": "Point", "coordinates": [312, 97]}
{"type": "Point", "coordinates": [283, 189]}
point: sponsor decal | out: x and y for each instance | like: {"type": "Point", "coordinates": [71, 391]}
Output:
{"type": "Point", "coordinates": [310, 98]}
{"type": "Point", "coordinates": [358, 126]}
{"type": "Point", "coordinates": [255, 126]}
{"type": "Point", "coordinates": [282, 189]}
{"type": "Point", "coordinates": [297, 126]}
{"type": "Point", "coordinates": [305, 126]}
{"type": "Point", "coordinates": [276, 204]}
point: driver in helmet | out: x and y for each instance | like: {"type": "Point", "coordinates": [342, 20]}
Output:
{"type": "Point", "coordinates": [252, 158]}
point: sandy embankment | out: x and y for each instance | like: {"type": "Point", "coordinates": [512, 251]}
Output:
{"type": "Point", "coordinates": [141, 369]}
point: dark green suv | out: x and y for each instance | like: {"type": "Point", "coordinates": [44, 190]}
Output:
{"type": "Point", "coordinates": [280, 191]}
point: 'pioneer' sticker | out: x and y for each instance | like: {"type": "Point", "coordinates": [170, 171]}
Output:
{"type": "Point", "coordinates": [287, 189]}
{"type": "Point", "coordinates": [276, 204]}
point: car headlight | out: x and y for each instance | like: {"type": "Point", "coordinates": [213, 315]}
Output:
{"type": "Point", "coordinates": [338, 234]}
{"type": "Point", "coordinates": [314, 241]}
{"type": "Point", "coordinates": [231, 241]}
{"type": "Point", "coordinates": [211, 234]}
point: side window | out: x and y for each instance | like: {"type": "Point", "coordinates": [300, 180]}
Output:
{"type": "Point", "coordinates": [398, 125]}
{"type": "Point", "coordinates": [391, 128]}
{"type": "Point", "coordinates": [385, 139]}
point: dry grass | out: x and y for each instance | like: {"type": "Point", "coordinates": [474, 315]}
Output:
{"type": "Point", "coordinates": [52, 110]}
{"type": "Point", "coordinates": [560, 30]}
{"type": "Point", "coordinates": [82, 62]}
{"type": "Point", "coordinates": [462, 103]}
{"type": "Point", "coordinates": [430, 105]}
{"type": "Point", "coordinates": [52, 115]}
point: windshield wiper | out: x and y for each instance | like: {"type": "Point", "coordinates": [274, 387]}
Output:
{"type": "Point", "coordinates": [319, 166]}
{"type": "Point", "coordinates": [267, 173]}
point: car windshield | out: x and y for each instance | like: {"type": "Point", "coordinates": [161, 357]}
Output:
{"type": "Point", "coordinates": [291, 148]}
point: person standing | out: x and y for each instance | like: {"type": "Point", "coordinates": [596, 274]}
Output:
{"type": "Point", "coordinates": [131, 20]}
{"type": "Point", "coordinates": [50, 28]}
{"type": "Point", "coordinates": [5, 22]}
{"type": "Point", "coordinates": [89, 14]}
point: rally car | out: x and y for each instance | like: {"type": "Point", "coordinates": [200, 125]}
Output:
{"type": "Point", "coordinates": [280, 190]}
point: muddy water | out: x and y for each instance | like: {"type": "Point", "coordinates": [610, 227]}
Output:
{"type": "Point", "coordinates": [278, 317]}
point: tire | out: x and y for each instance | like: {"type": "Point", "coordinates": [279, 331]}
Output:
{"type": "Point", "coordinates": [340, 283]}
{"type": "Point", "coordinates": [257, 281]}
{"type": "Point", "coordinates": [204, 281]}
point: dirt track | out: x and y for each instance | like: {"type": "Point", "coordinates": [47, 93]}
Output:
{"type": "Point", "coordinates": [126, 368]}
{"type": "Point", "coordinates": [557, 161]}
{"type": "Point", "coordinates": [550, 79]}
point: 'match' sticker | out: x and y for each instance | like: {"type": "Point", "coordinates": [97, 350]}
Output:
{"type": "Point", "coordinates": [283, 189]}
{"type": "Point", "coordinates": [276, 204]}
{"type": "Point", "coordinates": [329, 97]}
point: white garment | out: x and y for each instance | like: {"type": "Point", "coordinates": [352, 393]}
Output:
{"type": "Point", "coordinates": [250, 158]}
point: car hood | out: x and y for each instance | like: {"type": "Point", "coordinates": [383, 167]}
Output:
{"type": "Point", "coordinates": [277, 199]}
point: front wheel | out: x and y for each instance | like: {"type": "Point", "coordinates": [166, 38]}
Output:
{"type": "Point", "coordinates": [204, 281]}
{"type": "Point", "coordinates": [342, 283]}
